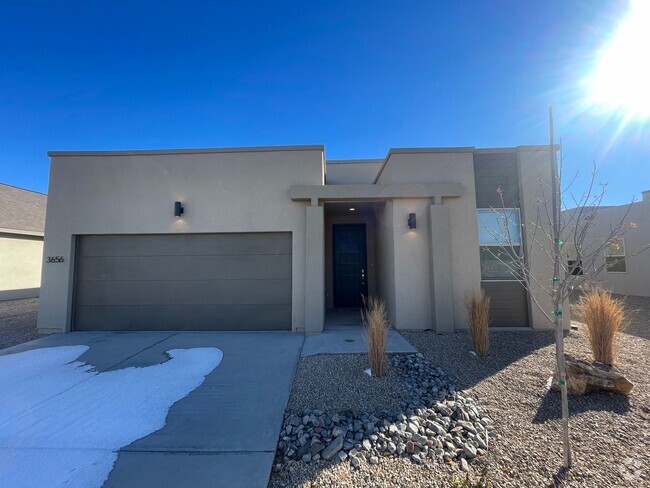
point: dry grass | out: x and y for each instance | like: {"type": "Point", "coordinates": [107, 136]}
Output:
{"type": "Point", "coordinates": [478, 320]}
{"type": "Point", "coordinates": [375, 320]}
{"type": "Point", "coordinates": [604, 317]}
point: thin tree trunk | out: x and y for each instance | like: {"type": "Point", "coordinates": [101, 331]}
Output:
{"type": "Point", "coordinates": [557, 297]}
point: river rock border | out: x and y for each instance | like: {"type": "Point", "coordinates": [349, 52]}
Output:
{"type": "Point", "coordinates": [436, 422]}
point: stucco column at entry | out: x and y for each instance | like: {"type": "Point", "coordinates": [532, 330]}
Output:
{"type": "Point", "coordinates": [314, 269]}
{"type": "Point", "coordinates": [442, 311]}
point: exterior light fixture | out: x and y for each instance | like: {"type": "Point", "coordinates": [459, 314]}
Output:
{"type": "Point", "coordinates": [411, 221]}
{"type": "Point", "coordinates": [178, 209]}
{"type": "Point", "coordinates": [352, 209]}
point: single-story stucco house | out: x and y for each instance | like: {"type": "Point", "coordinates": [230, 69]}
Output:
{"type": "Point", "coordinates": [625, 261]}
{"type": "Point", "coordinates": [275, 237]}
{"type": "Point", "coordinates": [22, 221]}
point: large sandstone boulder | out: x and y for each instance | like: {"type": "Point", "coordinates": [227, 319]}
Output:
{"type": "Point", "coordinates": [583, 376]}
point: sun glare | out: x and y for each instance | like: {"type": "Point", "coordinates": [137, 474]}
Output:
{"type": "Point", "coordinates": [621, 78]}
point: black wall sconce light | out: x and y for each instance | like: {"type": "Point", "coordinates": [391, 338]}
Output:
{"type": "Point", "coordinates": [178, 209]}
{"type": "Point", "coordinates": [411, 221]}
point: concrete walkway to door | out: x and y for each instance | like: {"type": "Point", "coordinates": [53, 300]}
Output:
{"type": "Point", "coordinates": [224, 433]}
{"type": "Point", "coordinates": [343, 334]}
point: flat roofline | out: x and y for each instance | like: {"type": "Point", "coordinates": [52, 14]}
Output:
{"type": "Point", "coordinates": [459, 149]}
{"type": "Point", "coordinates": [538, 147]}
{"type": "Point", "coordinates": [152, 152]}
{"type": "Point", "coordinates": [353, 161]}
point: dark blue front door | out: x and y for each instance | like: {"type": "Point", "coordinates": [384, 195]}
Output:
{"type": "Point", "coordinates": [349, 260]}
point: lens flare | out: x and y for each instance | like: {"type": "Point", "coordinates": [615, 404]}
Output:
{"type": "Point", "coordinates": [620, 81]}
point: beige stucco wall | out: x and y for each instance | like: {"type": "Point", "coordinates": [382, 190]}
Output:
{"type": "Point", "coordinates": [348, 172]}
{"type": "Point", "coordinates": [386, 258]}
{"type": "Point", "coordinates": [411, 248]}
{"type": "Point", "coordinates": [636, 237]}
{"type": "Point", "coordinates": [20, 266]}
{"type": "Point", "coordinates": [243, 191]}
{"type": "Point", "coordinates": [535, 174]}
{"type": "Point", "coordinates": [411, 261]}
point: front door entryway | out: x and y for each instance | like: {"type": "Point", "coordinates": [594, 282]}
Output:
{"type": "Point", "coordinates": [350, 264]}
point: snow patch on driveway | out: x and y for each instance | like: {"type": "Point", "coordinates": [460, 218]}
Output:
{"type": "Point", "coordinates": [62, 423]}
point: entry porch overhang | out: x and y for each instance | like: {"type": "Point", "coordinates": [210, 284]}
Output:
{"type": "Point", "coordinates": [333, 193]}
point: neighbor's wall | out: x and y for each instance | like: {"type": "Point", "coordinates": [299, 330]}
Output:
{"type": "Point", "coordinates": [636, 279]}
{"type": "Point", "coordinates": [352, 171]}
{"type": "Point", "coordinates": [134, 194]}
{"type": "Point", "coordinates": [412, 248]}
{"type": "Point", "coordinates": [20, 267]}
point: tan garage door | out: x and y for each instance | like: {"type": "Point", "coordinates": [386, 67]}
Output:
{"type": "Point", "coordinates": [183, 282]}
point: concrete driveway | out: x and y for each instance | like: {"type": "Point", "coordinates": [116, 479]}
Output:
{"type": "Point", "coordinates": [224, 433]}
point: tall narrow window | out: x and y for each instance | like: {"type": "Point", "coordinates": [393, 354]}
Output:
{"type": "Point", "coordinates": [615, 256]}
{"type": "Point", "coordinates": [499, 234]}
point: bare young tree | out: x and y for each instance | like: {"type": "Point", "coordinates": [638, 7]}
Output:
{"type": "Point", "coordinates": [552, 225]}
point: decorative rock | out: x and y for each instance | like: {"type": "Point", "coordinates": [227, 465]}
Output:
{"type": "Point", "coordinates": [334, 447]}
{"type": "Point", "coordinates": [470, 451]}
{"type": "Point", "coordinates": [294, 421]}
{"type": "Point", "coordinates": [468, 426]}
{"type": "Point", "coordinates": [435, 423]}
{"type": "Point", "coordinates": [463, 465]}
{"type": "Point", "coordinates": [583, 377]}
{"type": "Point", "coordinates": [316, 447]}
{"type": "Point", "coordinates": [410, 447]}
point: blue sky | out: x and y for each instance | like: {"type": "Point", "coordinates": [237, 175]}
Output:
{"type": "Point", "coordinates": [357, 76]}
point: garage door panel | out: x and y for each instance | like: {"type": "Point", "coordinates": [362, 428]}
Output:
{"type": "Point", "coordinates": [187, 244]}
{"type": "Point", "coordinates": [210, 292]}
{"type": "Point", "coordinates": [183, 282]}
{"type": "Point", "coordinates": [248, 267]}
{"type": "Point", "coordinates": [180, 317]}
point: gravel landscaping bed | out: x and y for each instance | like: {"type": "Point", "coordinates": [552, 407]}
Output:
{"type": "Point", "coordinates": [18, 321]}
{"type": "Point", "coordinates": [414, 417]}
{"type": "Point", "coordinates": [334, 395]}
{"type": "Point", "coordinates": [610, 434]}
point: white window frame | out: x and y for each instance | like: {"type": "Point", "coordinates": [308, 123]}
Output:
{"type": "Point", "coordinates": [624, 255]}
{"type": "Point", "coordinates": [571, 246]}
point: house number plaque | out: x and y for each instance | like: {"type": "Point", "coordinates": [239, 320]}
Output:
{"type": "Point", "coordinates": [54, 259]}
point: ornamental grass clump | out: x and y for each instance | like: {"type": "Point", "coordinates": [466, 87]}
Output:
{"type": "Point", "coordinates": [604, 318]}
{"type": "Point", "coordinates": [478, 321]}
{"type": "Point", "coordinates": [376, 325]}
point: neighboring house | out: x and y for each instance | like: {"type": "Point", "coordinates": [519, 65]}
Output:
{"type": "Point", "coordinates": [625, 267]}
{"type": "Point", "coordinates": [22, 221]}
{"type": "Point", "coordinates": [275, 237]}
